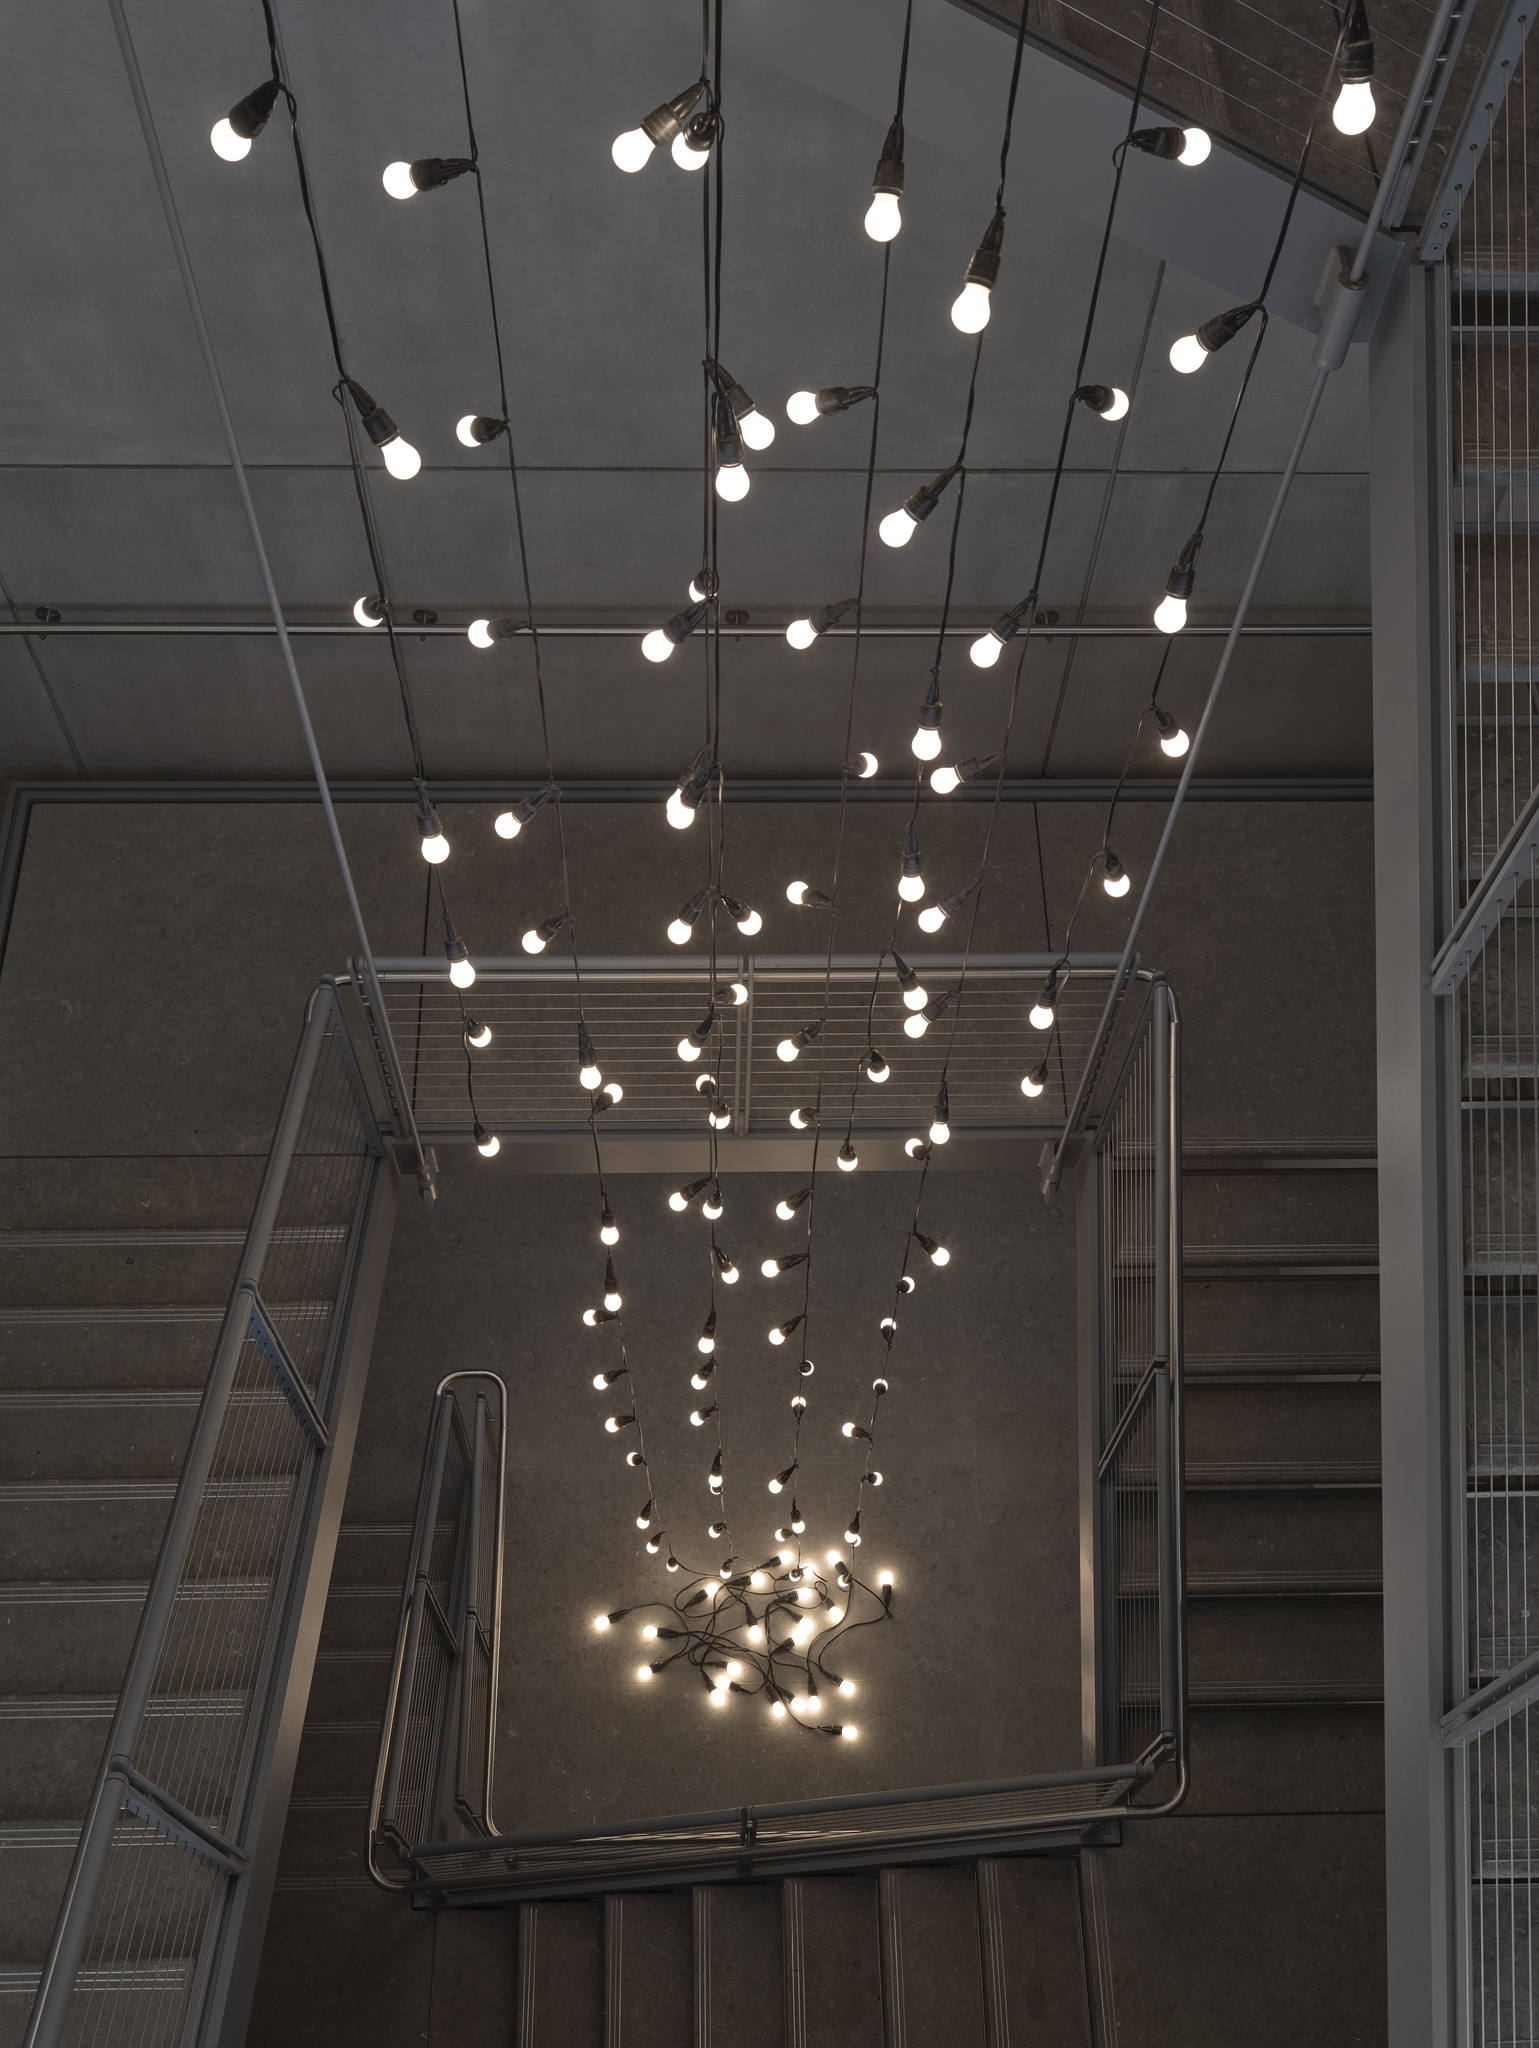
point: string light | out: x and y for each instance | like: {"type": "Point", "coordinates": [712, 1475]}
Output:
{"type": "Point", "coordinates": [788, 1205]}
{"type": "Point", "coordinates": [427, 174]}
{"type": "Point", "coordinates": [802, 632]}
{"type": "Point", "coordinates": [508, 824]}
{"type": "Point", "coordinates": [748, 922]}
{"type": "Point", "coordinates": [936, 914]}
{"type": "Point", "coordinates": [792, 1048]}
{"type": "Point", "coordinates": [1173, 740]}
{"type": "Point", "coordinates": [863, 764]}
{"type": "Point", "coordinates": [783, 1330]}
{"type": "Point", "coordinates": [632, 150]}
{"type": "Point", "coordinates": [731, 477]}
{"type": "Point", "coordinates": [724, 1266]}
{"type": "Point", "coordinates": [944, 780]}
{"type": "Point", "coordinates": [1115, 879]}
{"type": "Point", "coordinates": [919, 1022]}
{"type": "Point", "coordinates": [461, 973]}
{"type": "Point", "coordinates": [847, 1157]}
{"type": "Point", "coordinates": [681, 1198]}
{"type": "Point", "coordinates": [693, 143]}
{"type": "Point", "coordinates": [911, 881]}
{"type": "Point", "coordinates": [970, 311]}
{"type": "Point", "coordinates": [803, 407]}
{"type": "Point", "coordinates": [488, 1143]}
{"type": "Point", "coordinates": [713, 1206]}
{"type": "Point", "coordinates": [988, 647]}
{"type": "Point", "coordinates": [926, 741]}
{"type": "Point", "coordinates": [754, 428]}
{"type": "Point", "coordinates": [938, 1254]}
{"type": "Point", "coordinates": [1192, 350]}
{"type": "Point", "coordinates": [233, 135]}
{"type": "Point", "coordinates": [914, 994]}
{"type": "Point", "coordinates": [400, 458]}
{"type": "Point", "coordinates": [771, 1267]}
{"type": "Point", "coordinates": [661, 641]}
{"type": "Point", "coordinates": [369, 611]}
{"type": "Point", "coordinates": [682, 928]}
{"type": "Point", "coordinates": [884, 216]}
{"type": "Point", "coordinates": [807, 898]}
{"type": "Point", "coordinates": [435, 848]}
{"type": "Point", "coordinates": [1106, 399]}
{"type": "Point", "coordinates": [1355, 110]}
{"type": "Point", "coordinates": [475, 430]}
{"type": "Point", "coordinates": [706, 1342]}
{"type": "Point", "coordinates": [1034, 1082]}
{"type": "Point", "coordinates": [897, 529]}
{"type": "Point", "coordinates": [1170, 613]}
{"type": "Point", "coordinates": [1190, 146]}
{"type": "Point", "coordinates": [1044, 1009]}
{"type": "Point", "coordinates": [802, 1118]}
{"type": "Point", "coordinates": [940, 1129]}
{"type": "Point", "coordinates": [538, 937]}
{"type": "Point", "coordinates": [877, 1068]}
{"type": "Point", "coordinates": [477, 1034]}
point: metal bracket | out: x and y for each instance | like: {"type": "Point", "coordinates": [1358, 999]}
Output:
{"type": "Point", "coordinates": [281, 1366]}
{"type": "Point", "coordinates": [1512, 867]}
{"type": "Point", "coordinates": [171, 1819]}
{"type": "Point", "coordinates": [1338, 296]}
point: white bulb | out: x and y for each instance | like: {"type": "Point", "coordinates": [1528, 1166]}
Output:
{"type": "Point", "coordinates": [776, 1337]}
{"type": "Point", "coordinates": [710, 1208]}
{"type": "Point", "coordinates": [609, 1234]}
{"type": "Point", "coordinates": [1199, 145]}
{"type": "Point", "coordinates": [877, 1073]}
{"type": "Point", "coordinates": [940, 1133]}
{"type": "Point", "coordinates": [462, 432]}
{"type": "Point", "coordinates": [227, 143]}
{"type": "Point", "coordinates": [1187, 354]}
{"type": "Point", "coordinates": [1031, 1086]}
{"type": "Point", "coordinates": [883, 216]}
{"type": "Point", "coordinates": [835, 1614]}
{"type": "Point", "coordinates": [590, 1078]}
{"type": "Point", "coordinates": [897, 528]}
{"type": "Point", "coordinates": [932, 919]}
{"type": "Point", "coordinates": [705, 1346]}
{"type": "Point", "coordinates": [685, 155]}
{"type": "Point", "coordinates": [796, 892]}
{"type": "Point", "coordinates": [590, 1317]}
{"type": "Point", "coordinates": [915, 998]}
{"type": "Point", "coordinates": [1175, 744]}
{"type": "Point", "coordinates": [601, 1622]}
{"type": "Point", "coordinates": [732, 482]}
{"type": "Point", "coordinates": [1118, 408]}
{"type": "Point", "coordinates": [718, 1699]}
{"type": "Point", "coordinates": [805, 1593]}
{"type": "Point", "coordinates": [401, 459]}
{"type": "Point", "coordinates": [756, 429]}
{"type": "Point", "coordinates": [657, 646]}
{"type": "Point", "coordinates": [632, 149]}
{"type": "Point", "coordinates": [481, 1036]}
{"type": "Point", "coordinates": [739, 994]}
{"type": "Point", "coordinates": [944, 780]}
{"type": "Point", "coordinates": [679, 931]}
{"type": "Point", "coordinates": [970, 309]}
{"type": "Point", "coordinates": [489, 1146]}
{"type": "Point", "coordinates": [688, 1050]}
{"type": "Point", "coordinates": [506, 826]}
{"type": "Point", "coordinates": [788, 1049]}
{"type": "Point", "coordinates": [1170, 614]}
{"type": "Point", "coordinates": [786, 1556]}
{"type": "Point", "coordinates": [365, 618]}
{"type": "Point", "coordinates": [680, 816]}
{"type": "Point", "coordinates": [644, 1672]}
{"type": "Point", "coordinates": [480, 633]}
{"type": "Point", "coordinates": [910, 1146]}
{"type": "Point", "coordinates": [917, 1025]}
{"type": "Point", "coordinates": [613, 1090]}
{"type": "Point", "coordinates": [868, 766]}
{"type": "Point", "coordinates": [800, 634]}
{"type": "Point", "coordinates": [798, 1120]}
{"type": "Point", "coordinates": [611, 1301]}
{"type": "Point", "coordinates": [532, 942]}
{"type": "Point", "coordinates": [940, 1256]}
{"type": "Point", "coordinates": [848, 1732]}
{"type": "Point", "coordinates": [397, 181]}
{"type": "Point", "coordinates": [1042, 1016]}
{"type": "Point", "coordinates": [796, 1706]}
{"type": "Point", "coordinates": [911, 888]}
{"type": "Point", "coordinates": [985, 651]}
{"type": "Point", "coordinates": [784, 1211]}
{"type": "Point", "coordinates": [848, 1165]}
{"type": "Point", "coordinates": [884, 1578]}
{"type": "Point", "coordinates": [777, 1710]}
{"type": "Point", "coordinates": [461, 973]}
{"type": "Point", "coordinates": [696, 594]}
{"type": "Point", "coordinates": [925, 743]}
{"type": "Point", "coordinates": [750, 926]}
{"type": "Point", "coordinates": [435, 848]}
{"type": "Point", "coordinates": [802, 408]}
{"type": "Point", "coordinates": [1117, 885]}
{"type": "Point", "coordinates": [1354, 109]}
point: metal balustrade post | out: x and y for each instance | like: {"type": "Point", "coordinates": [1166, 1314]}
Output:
{"type": "Point", "coordinates": [469, 1623]}
{"type": "Point", "coordinates": [56, 1988]}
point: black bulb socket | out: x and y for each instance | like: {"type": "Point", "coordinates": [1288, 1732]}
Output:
{"type": "Point", "coordinates": [428, 173]}
{"type": "Point", "coordinates": [1162, 142]}
{"type": "Point", "coordinates": [983, 265]}
{"type": "Point", "coordinates": [1183, 577]}
{"type": "Point", "coordinates": [924, 501]}
{"type": "Point", "coordinates": [664, 122]}
{"type": "Point", "coordinates": [889, 172]}
{"type": "Point", "coordinates": [1223, 327]}
{"type": "Point", "coordinates": [484, 430]}
{"type": "Point", "coordinates": [840, 397]}
{"type": "Point", "coordinates": [682, 624]}
{"type": "Point", "coordinates": [1099, 397]}
{"type": "Point", "coordinates": [377, 423]}
{"type": "Point", "coordinates": [729, 443]}
{"type": "Point", "coordinates": [1357, 57]}
{"type": "Point", "coordinates": [248, 117]}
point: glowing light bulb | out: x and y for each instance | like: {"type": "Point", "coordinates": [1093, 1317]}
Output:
{"type": "Point", "coordinates": [1030, 1085]}
{"type": "Point", "coordinates": [680, 932]}
{"type": "Point", "coordinates": [401, 459]}
{"type": "Point", "coordinates": [532, 942]}
{"type": "Point", "coordinates": [943, 781]}
{"type": "Point", "coordinates": [940, 1133]}
{"type": "Point", "coordinates": [931, 920]}
{"type": "Point", "coordinates": [757, 430]}
{"type": "Point", "coordinates": [986, 650]}
{"type": "Point", "coordinates": [868, 765]}
{"type": "Point", "coordinates": [847, 1688]}
{"type": "Point", "coordinates": [739, 994]}
{"type": "Point", "coordinates": [657, 646]}
{"type": "Point", "coordinates": [364, 616]}
{"type": "Point", "coordinates": [435, 848]}
{"type": "Point", "coordinates": [590, 1077]}
{"type": "Point", "coordinates": [788, 1050]}
{"type": "Point", "coordinates": [777, 1710]}
{"type": "Point", "coordinates": [734, 1669]}
{"type": "Point", "coordinates": [601, 1622]}
{"type": "Point", "coordinates": [758, 1581]}
{"type": "Point", "coordinates": [800, 634]}
{"type": "Point", "coordinates": [643, 1672]}
{"type": "Point", "coordinates": [884, 217]}
{"type": "Point", "coordinates": [915, 998]}
{"type": "Point", "coordinates": [756, 1634]}
{"type": "Point", "coordinates": [970, 309]}
{"type": "Point", "coordinates": [479, 632]}
{"type": "Point", "coordinates": [632, 150]}
{"type": "Point", "coordinates": [1117, 884]}
{"type": "Point", "coordinates": [712, 1207]}
{"type": "Point", "coordinates": [1174, 743]}
{"type": "Point", "coordinates": [1354, 110]}
{"type": "Point", "coordinates": [796, 892]}
{"type": "Point", "coordinates": [940, 1256]}
{"type": "Point", "coordinates": [462, 431]}
{"type": "Point", "coordinates": [477, 1034]}
{"type": "Point", "coordinates": [1199, 146]}
{"type": "Point", "coordinates": [718, 1698]}
{"type": "Point", "coordinates": [802, 408]}
{"type": "Point", "coordinates": [884, 1578]}
{"type": "Point", "coordinates": [750, 926]}
{"type": "Point", "coordinates": [461, 973]}
{"type": "Point", "coordinates": [926, 743]}
{"type": "Point", "coordinates": [488, 1144]}
{"type": "Point", "coordinates": [796, 1706]}
{"type": "Point", "coordinates": [687, 1051]}
{"type": "Point", "coordinates": [680, 816]}
{"type": "Point", "coordinates": [1118, 408]}
{"type": "Point", "coordinates": [1041, 1015]}
{"type": "Point", "coordinates": [848, 1158]}
{"type": "Point", "coordinates": [614, 1091]}
{"type": "Point", "coordinates": [805, 1593]}
{"type": "Point", "coordinates": [685, 155]}
{"type": "Point", "coordinates": [1187, 354]}
{"type": "Point", "coordinates": [506, 826]}
{"type": "Point", "coordinates": [835, 1615]}
{"type": "Point", "coordinates": [732, 482]}
{"type": "Point", "coordinates": [848, 1732]}
{"type": "Point", "coordinates": [897, 529]}
{"type": "Point", "coordinates": [799, 1119]}
{"type": "Point", "coordinates": [227, 143]}
{"type": "Point", "coordinates": [1170, 614]}
{"type": "Point", "coordinates": [777, 1336]}
{"type": "Point", "coordinates": [397, 181]}
{"type": "Point", "coordinates": [917, 1025]}
{"type": "Point", "coordinates": [911, 888]}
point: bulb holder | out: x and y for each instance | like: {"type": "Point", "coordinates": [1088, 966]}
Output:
{"type": "Point", "coordinates": [1162, 142]}
{"type": "Point", "coordinates": [1357, 56]}
{"type": "Point", "coordinates": [483, 430]}
{"type": "Point", "coordinates": [889, 171]}
{"type": "Point", "coordinates": [729, 442]}
{"type": "Point", "coordinates": [1099, 398]}
{"type": "Point", "coordinates": [377, 423]}
{"type": "Point", "coordinates": [682, 624]}
{"type": "Point", "coordinates": [1223, 327]}
{"type": "Point", "coordinates": [664, 122]}
{"type": "Point", "coordinates": [840, 397]}
{"type": "Point", "coordinates": [703, 130]}
{"type": "Point", "coordinates": [428, 173]}
{"type": "Point", "coordinates": [983, 265]}
{"type": "Point", "coordinates": [248, 117]}
{"type": "Point", "coordinates": [921, 503]}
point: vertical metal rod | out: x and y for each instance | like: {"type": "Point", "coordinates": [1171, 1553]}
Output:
{"type": "Point", "coordinates": [1160, 1021]}
{"type": "Point", "coordinates": [56, 1988]}
{"type": "Point", "coordinates": [1165, 1482]}
{"type": "Point", "coordinates": [401, 1705]}
{"type": "Point", "coordinates": [280, 624]}
{"type": "Point", "coordinates": [468, 1619]}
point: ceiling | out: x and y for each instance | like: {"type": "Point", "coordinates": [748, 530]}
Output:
{"type": "Point", "coordinates": [118, 500]}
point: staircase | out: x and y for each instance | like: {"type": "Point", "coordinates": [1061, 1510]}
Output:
{"type": "Point", "coordinates": [113, 1280]}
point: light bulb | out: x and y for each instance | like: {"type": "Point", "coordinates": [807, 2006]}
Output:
{"type": "Point", "coordinates": [940, 1256]}
{"type": "Point", "coordinates": [614, 1091]}
{"type": "Point", "coordinates": [532, 942]}
{"type": "Point", "coordinates": [461, 973]}
{"type": "Point", "coordinates": [868, 765]}
{"type": "Point", "coordinates": [985, 651]}
{"type": "Point", "coordinates": [687, 1051]}
{"type": "Point", "coordinates": [1354, 110]}
{"type": "Point", "coordinates": [940, 1133]}
{"type": "Point", "coordinates": [612, 1300]}
{"type": "Point", "coordinates": [1174, 743]}
{"type": "Point", "coordinates": [926, 743]}
{"type": "Point", "coordinates": [684, 155]}
{"type": "Point", "coordinates": [732, 482]}
{"type": "Point", "coordinates": [462, 432]}
{"type": "Point", "coordinates": [796, 892]}
{"type": "Point", "coordinates": [712, 1207]}
{"type": "Point", "coordinates": [788, 1049]}
{"type": "Point", "coordinates": [918, 1024]}
{"type": "Point", "coordinates": [227, 143]}
{"type": "Point", "coordinates": [884, 1578]}
{"type": "Point", "coordinates": [1117, 884]}
{"type": "Point", "coordinates": [777, 1336]}
{"type": "Point", "coordinates": [488, 1144]}
{"type": "Point", "coordinates": [800, 1119]}
{"type": "Point", "coordinates": [750, 926]}
{"type": "Point", "coordinates": [1187, 354]}
{"type": "Point", "coordinates": [756, 429]}
{"type": "Point", "coordinates": [1041, 1015]}
{"type": "Point", "coordinates": [643, 1672]}
{"type": "Point", "coordinates": [877, 1068]}
{"type": "Point", "coordinates": [680, 932]}
{"type": "Point", "coordinates": [915, 998]}
{"type": "Point", "coordinates": [657, 647]}
{"type": "Point", "coordinates": [847, 1688]}
{"type": "Point", "coordinates": [739, 994]}
{"type": "Point", "coordinates": [366, 617]}
{"type": "Point", "coordinates": [911, 888]}
{"type": "Point", "coordinates": [884, 217]}
{"type": "Point", "coordinates": [1170, 614]}
{"type": "Point", "coordinates": [777, 1710]}
{"type": "Point", "coordinates": [506, 826]}
{"type": "Point", "coordinates": [848, 1158]}
{"type": "Point", "coordinates": [680, 816]}
{"type": "Point", "coordinates": [477, 1034]}
{"type": "Point", "coordinates": [1199, 146]}
{"type": "Point", "coordinates": [800, 634]}
{"type": "Point", "coordinates": [897, 528]}
{"type": "Point", "coordinates": [786, 1556]}
{"type": "Point", "coordinates": [397, 181]}
{"type": "Point", "coordinates": [480, 635]}
{"type": "Point", "coordinates": [632, 149]}
{"type": "Point", "coordinates": [796, 1706]}
{"type": "Point", "coordinates": [802, 408]}
{"type": "Point", "coordinates": [718, 1698]}
{"type": "Point", "coordinates": [970, 309]}
{"type": "Point", "coordinates": [435, 848]}
{"type": "Point", "coordinates": [601, 1622]}
{"type": "Point", "coordinates": [1118, 408]}
{"type": "Point", "coordinates": [1030, 1085]}
{"type": "Point", "coordinates": [848, 1732]}
{"type": "Point", "coordinates": [931, 920]}
{"type": "Point", "coordinates": [591, 1078]}
{"type": "Point", "coordinates": [401, 459]}
{"type": "Point", "coordinates": [835, 1615]}
{"type": "Point", "coordinates": [805, 1593]}
{"type": "Point", "coordinates": [944, 780]}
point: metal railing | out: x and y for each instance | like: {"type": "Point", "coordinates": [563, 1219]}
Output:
{"type": "Point", "coordinates": [160, 1929]}
{"type": "Point", "coordinates": [429, 1839]}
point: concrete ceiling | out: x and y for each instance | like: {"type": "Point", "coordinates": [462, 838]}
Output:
{"type": "Point", "coordinates": [119, 505]}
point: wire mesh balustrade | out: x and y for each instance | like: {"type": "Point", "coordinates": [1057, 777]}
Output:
{"type": "Point", "coordinates": [161, 1885]}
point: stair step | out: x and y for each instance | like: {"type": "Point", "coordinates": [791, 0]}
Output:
{"type": "Point", "coordinates": [143, 1192]}
{"type": "Point", "coordinates": [79, 1432]}
{"type": "Point", "coordinates": [560, 1976]}
{"type": "Point", "coordinates": [648, 1969]}
{"type": "Point", "coordinates": [932, 1975]}
{"type": "Point", "coordinates": [1285, 1425]}
{"type": "Point", "coordinates": [740, 1976]}
{"type": "Point", "coordinates": [1314, 1533]}
{"type": "Point", "coordinates": [1284, 1585]}
{"type": "Point", "coordinates": [1033, 1953]}
{"type": "Point", "coordinates": [833, 1973]}
{"type": "Point", "coordinates": [119, 1356]}
{"type": "Point", "coordinates": [1312, 1643]}
{"type": "Point", "coordinates": [34, 1865]}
